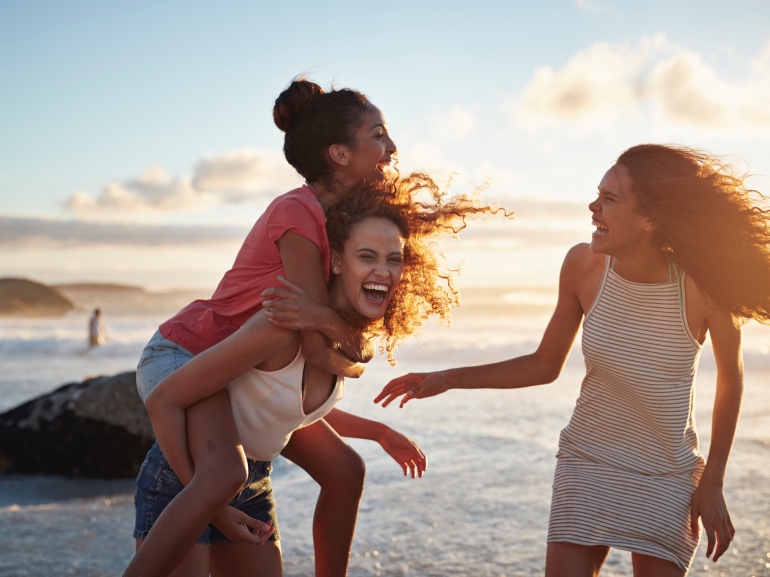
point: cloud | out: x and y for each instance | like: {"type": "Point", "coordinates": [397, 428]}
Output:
{"type": "Point", "coordinates": [655, 80]}
{"type": "Point", "coordinates": [239, 175]}
{"type": "Point", "coordinates": [537, 221]}
{"type": "Point", "coordinates": [40, 233]}
{"type": "Point", "coordinates": [234, 177]}
{"type": "Point", "coordinates": [153, 190]}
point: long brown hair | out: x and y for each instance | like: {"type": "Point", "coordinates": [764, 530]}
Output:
{"type": "Point", "coordinates": [716, 228]}
{"type": "Point", "coordinates": [424, 214]}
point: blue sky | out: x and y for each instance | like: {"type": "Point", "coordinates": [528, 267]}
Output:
{"type": "Point", "coordinates": [137, 143]}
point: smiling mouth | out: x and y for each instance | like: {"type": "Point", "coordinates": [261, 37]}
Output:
{"type": "Point", "coordinates": [386, 164]}
{"type": "Point", "coordinates": [601, 228]}
{"type": "Point", "coordinates": [375, 293]}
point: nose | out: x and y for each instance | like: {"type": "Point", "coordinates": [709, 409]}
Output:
{"type": "Point", "coordinates": [390, 146]}
{"type": "Point", "coordinates": [382, 270]}
{"type": "Point", "coordinates": [593, 206]}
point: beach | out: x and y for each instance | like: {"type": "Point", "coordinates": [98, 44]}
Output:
{"type": "Point", "coordinates": [482, 507]}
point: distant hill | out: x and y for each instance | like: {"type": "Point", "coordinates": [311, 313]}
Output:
{"type": "Point", "coordinates": [22, 297]}
{"type": "Point", "coordinates": [95, 286]}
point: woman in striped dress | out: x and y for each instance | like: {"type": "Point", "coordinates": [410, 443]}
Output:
{"type": "Point", "coordinates": [681, 250]}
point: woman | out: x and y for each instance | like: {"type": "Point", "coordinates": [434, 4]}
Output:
{"type": "Point", "coordinates": [681, 250]}
{"type": "Point", "coordinates": [336, 140]}
{"type": "Point", "coordinates": [386, 283]}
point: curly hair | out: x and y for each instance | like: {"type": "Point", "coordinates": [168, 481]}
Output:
{"type": "Point", "coordinates": [715, 228]}
{"type": "Point", "coordinates": [424, 214]}
{"type": "Point", "coordinates": [313, 120]}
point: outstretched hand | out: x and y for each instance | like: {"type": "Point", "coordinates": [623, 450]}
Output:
{"type": "Point", "coordinates": [405, 452]}
{"type": "Point", "coordinates": [412, 386]}
{"type": "Point", "coordinates": [292, 308]}
{"type": "Point", "coordinates": [239, 527]}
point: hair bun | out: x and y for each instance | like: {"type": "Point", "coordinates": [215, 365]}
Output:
{"type": "Point", "coordinates": [293, 101]}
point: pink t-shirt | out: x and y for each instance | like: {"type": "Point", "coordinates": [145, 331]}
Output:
{"type": "Point", "coordinates": [205, 322]}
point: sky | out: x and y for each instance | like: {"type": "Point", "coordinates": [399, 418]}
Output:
{"type": "Point", "coordinates": [137, 144]}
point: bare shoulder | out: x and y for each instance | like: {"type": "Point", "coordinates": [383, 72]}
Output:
{"type": "Point", "coordinates": [582, 262]}
{"type": "Point", "coordinates": [258, 327]}
{"type": "Point", "coordinates": [582, 273]}
{"type": "Point", "coordinates": [583, 258]}
{"type": "Point", "coordinates": [263, 340]}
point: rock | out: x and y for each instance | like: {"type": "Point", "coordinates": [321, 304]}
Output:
{"type": "Point", "coordinates": [23, 297]}
{"type": "Point", "coordinates": [97, 428]}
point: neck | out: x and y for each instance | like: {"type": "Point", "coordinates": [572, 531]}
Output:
{"type": "Point", "coordinates": [330, 191]}
{"type": "Point", "coordinates": [643, 266]}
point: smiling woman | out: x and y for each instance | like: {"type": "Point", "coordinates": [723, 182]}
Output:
{"type": "Point", "coordinates": [681, 252]}
{"type": "Point", "coordinates": [369, 268]}
{"type": "Point", "coordinates": [386, 281]}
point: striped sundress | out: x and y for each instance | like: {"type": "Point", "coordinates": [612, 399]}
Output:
{"type": "Point", "coordinates": [628, 461]}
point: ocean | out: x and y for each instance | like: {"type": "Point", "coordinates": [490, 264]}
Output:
{"type": "Point", "coordinates": [482, 507]}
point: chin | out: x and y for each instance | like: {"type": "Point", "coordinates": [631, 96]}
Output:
{"type": "Point", "coordinates": [597, 247]}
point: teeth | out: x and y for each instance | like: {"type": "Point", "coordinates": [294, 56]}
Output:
{"type": "Point", "coordinates": [599, 225]}
{"type": "Point", "coordinates": [375, 287]}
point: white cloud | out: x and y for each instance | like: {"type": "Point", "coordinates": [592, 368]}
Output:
{"type": "Point", "coordinates": [241, 174]}
{"type": "Point", "coordinates": [607, 84]}
{"type": "Point", "coordinates": [19, 233]}
{"type": "Point", "coordinates": [233, 177]}
{"type": "Point", "coordinates": [534, 217]}
{"type": "Point", "coordinates": [685, 90]}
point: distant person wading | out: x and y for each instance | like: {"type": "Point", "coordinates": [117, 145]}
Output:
{"type": "Point", "coordinates": [96, 329]}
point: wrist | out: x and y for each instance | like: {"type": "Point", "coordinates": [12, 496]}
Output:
{"type": "Point", "coordinates": [446, 379]}
{"type": "Point", "coordinates": [380, 431]}
{"type": "Point", "coordinates": [713, 476]}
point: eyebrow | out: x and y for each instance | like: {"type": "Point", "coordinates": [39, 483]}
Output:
{"type": "Point", "coordinates": [607, 192]}
{"type": "Point", "coordinates": [378, 124]}
{"type": "Point", "coordinates": [372, 251]}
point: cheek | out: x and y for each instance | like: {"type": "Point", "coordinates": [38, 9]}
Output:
{"type": "Point", "coordinates": [396, 274]}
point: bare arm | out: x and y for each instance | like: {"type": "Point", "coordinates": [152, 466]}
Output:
{"type": "Point", "coordinates": [542, 366]}
{"type": "Point", "coordinates": [708, 502]}
{"type": "Point", "coordinates": [302, 262]}
{"type": "Point", "coordinates": [202, 376]}
{"type": "Point", "coordinates": [401, 448]}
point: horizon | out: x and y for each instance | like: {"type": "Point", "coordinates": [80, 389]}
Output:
{"type": "Point", "coordinates": [138, 145]}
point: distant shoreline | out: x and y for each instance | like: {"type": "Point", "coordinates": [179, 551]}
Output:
{"type": "Point", "coordinates": [96, 286]}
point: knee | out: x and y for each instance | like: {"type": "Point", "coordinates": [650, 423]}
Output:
{"type": "Point", "coordinates": [348, 474]}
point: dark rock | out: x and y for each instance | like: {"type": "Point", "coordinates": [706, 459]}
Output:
{"type": "Point", "coordinates": [97, 428]}
{"type": "Point", "coordinates": [23, 297]}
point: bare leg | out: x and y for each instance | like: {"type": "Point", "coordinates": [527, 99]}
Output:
{"type": "Point", "coordinates": [196, 564]}
{"type": "Point", "coordinates": [340, 472]}
{"type": "Point", "coordinates": [246, 560]}
{"type": "Point", "coordinates": [647, 566]}
{"type": "Point", "coordinates": [570, 560]}
{"type": "Point", "coordinates": [220, 472]}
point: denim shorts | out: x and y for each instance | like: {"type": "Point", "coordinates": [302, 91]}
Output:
{"type": "Point", "coordinates": [159, 359]}
{"type": "Point", "coordinates": [157, 485]}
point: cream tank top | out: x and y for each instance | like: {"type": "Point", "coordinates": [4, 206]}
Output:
{"type": "Point", "coordinates": [267, 407]}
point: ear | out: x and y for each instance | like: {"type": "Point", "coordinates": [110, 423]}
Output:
{"type": "Point", "coordinates": [335, 262]}
{"type": "Point", "coordinates": [649, 224]}
{"type": "Point", "coordinates": [339, 154]}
